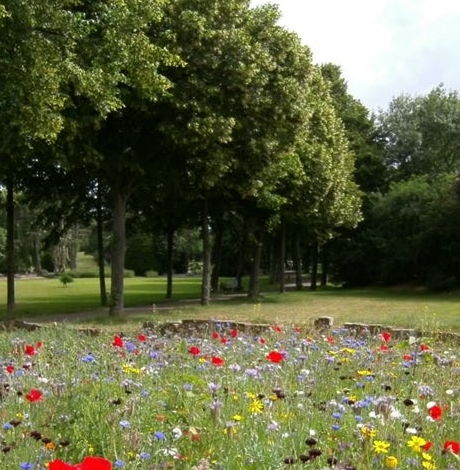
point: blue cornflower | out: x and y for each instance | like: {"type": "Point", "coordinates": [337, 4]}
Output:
{"type": "Point", "coordinates": [119, 463]}
{"type": "Point", "coordinates": [144, 455]}
{"type": "Point", "coordinates": [160, 436]}
{"type": "Point", "coordinates": [88, 358]}
{"type": "Point", "coordinates": [26, 466]}
{"type": "Point", "coordinates": [7, 426]}
{"type": "Point", "coordinates": [125, 424]}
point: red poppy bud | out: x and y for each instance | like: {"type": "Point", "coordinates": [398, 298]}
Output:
{"type": "Point", "coordinates": [34, 395]}
{"type": "Point", "coordinates": [194, 351]}
{"type": "Point", "coordinates": [452, 446]}
{"type": "Point", "coordinates": [275, 356]}
{"type": "Point", "coordinates": [435, 412]}
{"type": "Point", "coordinates": [217, 361]}
{"type": "Point", "coordinates": [386, 336]}
{"type": "Point", "coordinates": [118, 342]}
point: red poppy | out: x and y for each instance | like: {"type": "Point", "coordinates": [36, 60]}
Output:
{"type": "Point", "coordinates": [234, 333]}
{"type": "Point", "coordinates": [60, 465]}
{"type": "Point", "coordinates": [427, 446]}
{"type": "Point", "coordinates": [384, 347]}
{"type": "Point", "coordinates": [261, 340]}
{"type": "Point", "coordinates": [275, 356]}
{"type": "Point", "coordinates": [215, 335]}
{"type": "Point", "coordinates": [297, 329]}
{"type": "Point", "coordinates": [39, 344]}
{"type": "Point", "coordinates": [424, 347]}
{"type": "Point", "coordinates": [223, 340]}
{"type": "Point", "coordinates": [386, 336]}
{"type": "Point", "coordinates": [89, 463]}
{"type": "Point", "coordinates": [452, 446]}
{"type": "Point", "coordinates": [217, 361]}
{"type": "Point", "coordinates": [435, 412]}
{"type": "Point", "coordinates": [95, 463]}
{"type": "Point", "coordinates": [407, 357]}
{"type": "Point", "coordinates": [277, 328]}
{"type": "Point", "coordinates": [330, 340]}
{"type": "Point", "coordinates": [30, 350]}
{"type": "Point", "coordinates": [118, 342]}
{"type": "Point", "coordinates": [34, 395]}
{"type": "Point", "coordinates": [9, 369]}
{"type": "Point", "coordinates": [194, 351]}
{"type": "Point", "coordinates": [142, 338]}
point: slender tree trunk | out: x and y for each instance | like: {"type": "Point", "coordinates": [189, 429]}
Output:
{"type": "Point", "coordinates": [324, 265]}
{"type": "Point", "coordinates": [37, 260]}
{"type": "Point", "coordinates": [206, 278]}
{"type": "Point", "coordinates": [298, 263]}
{"type": "Point", "coordinates": [100, 251]}
{"type": "Point", "coordinates": [314, 266]}
{"type": "Point", "coordinates": [273, 261]}
{"type": "Point", "coordinates": [282, 259]}
{"type": "Point", "coordinates": [217, 257]}
{"type": "Point", "coordinates": [118, 252]}
{"type": "Point", "coordinates": [10, 247]}
{"type": "Point", "coordinates": [253, 290]}
{"type": "Point", "coordinates": [73, 247]}
{"type": "Point", "coordinates": [169, 262]}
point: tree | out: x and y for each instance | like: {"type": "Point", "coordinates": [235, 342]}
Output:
{"type": "Point", "coordinates": [119, 74]}
{"type": "Point", "coordinates": [421, 134]}
{"type": "Point", "coordinates": [37, 40]}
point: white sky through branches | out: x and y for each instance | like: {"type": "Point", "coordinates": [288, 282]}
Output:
{"type": "Point", "coordinates": [384, 47]}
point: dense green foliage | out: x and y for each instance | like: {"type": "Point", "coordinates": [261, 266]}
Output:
{"type": "Point", "coordinates": [130, 128]}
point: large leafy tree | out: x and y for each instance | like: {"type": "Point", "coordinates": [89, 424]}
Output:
{"type": "Point", "coordinates": [422, 134]}
{"type": "Point", "coordinates": [118, 75]}
{"type": "Point", "coordinates": [37, 40]}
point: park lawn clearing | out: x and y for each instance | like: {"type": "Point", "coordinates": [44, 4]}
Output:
{"type": "Point", "coordinates": [400, 308]}
{"type": "Point", "coordinates": [225, 399]}
{"type": "Point", "coordinates": [389, 306]}
{"type": "Point", "coordinates": [36, 297]}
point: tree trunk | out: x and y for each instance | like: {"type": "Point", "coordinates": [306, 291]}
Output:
{"type": "Point", "coordinates": [206, 278]}
{"type": "Point", "coordinates": [324, 265]}
{"type": "Point", "coordinates": [298, 263]}
{"type": "Point", "coordinates": [73, 247]}
{"type": "Point", "coordinates": [100, 251]}
{"type": "Point", "coordinates": [169, 262]}
{"type": "Point", "coordinates": [118, 252]}
{"type": "Point", "coordinates": [10, 248]}
{"type": "Point", "coordinates": [37, 259]}
{"type": "Point", "coordinates": [217, 257]}
{"type": "Point", "coordinates": [314, 266]}
{"type": "Point", "coordinates": [253, 290]}
{"type": "Point", "coordinates": [282, 259]}
{"type": "Point", "coordinates": [273, 262]}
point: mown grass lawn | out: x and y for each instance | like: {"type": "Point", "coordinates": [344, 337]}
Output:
{"type": "Point", "coordinates": [429, 312]}
{"type": "Point", "coordinates": [37, 297]}
{"type": "Point", "coordinates": [390, 306]}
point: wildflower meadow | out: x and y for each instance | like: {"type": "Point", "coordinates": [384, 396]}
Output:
{"type": "Point", "coordinates": [227, 400]}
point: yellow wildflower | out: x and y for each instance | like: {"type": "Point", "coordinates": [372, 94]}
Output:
{"type": "Point", "coordinates": [367, 431]}
{"type": "Point", "coordinates": [381, 447]}
{"type": "Point", "coordinates": [129, 369]}
{"type": "Point", "coordinates": [391, 461]}
{"type": "Point", "coordinates": [237, 417]}
{"type": "Point", "coordinates": [416, 443]}
{"type": "Point", "coordinates": [429, 465]}
{"type": "Point", "coordinates": [256, 406]}
{"type": "Point", "coordinates": [363, 373]}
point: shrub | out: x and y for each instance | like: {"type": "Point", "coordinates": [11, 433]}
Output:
{"type": "Point", "coordinates": [151, 273]}
{"type": "Point", "coordinates": [65, 279]}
